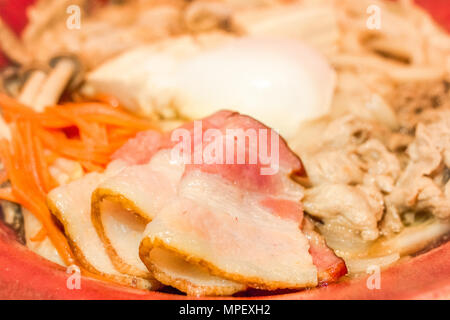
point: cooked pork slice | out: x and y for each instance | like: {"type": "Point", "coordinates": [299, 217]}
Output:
{"type": "Point", "coordinates": [424, 184]}
{"type": "Point", "coordinates": [173, 270]}
{"type": "Point", "coordinates": [120, 230]}
{"type": "Point", "coordinates": [144, 188]}
{"type": "Point", "coordinates": [329, 266]}
{"type": "Point", "coordinates": [333, 166]}
{"type": "Point", "coordinates": [226, 229]}
{"type": "Point", "coordinates": [350, 206]}
{"type": "Point", "coordinates": [123, 204]}
{"type": "Point", "coordinates": [126, 202]}
{"type": "Point", "coordinates": [209, 215]}
{"type": "Point", "coordinates": [71, 204]}
{"type": "Point", "coordinates": [350, 159]}
{"type": "Point", "coordinates": [420, 102]}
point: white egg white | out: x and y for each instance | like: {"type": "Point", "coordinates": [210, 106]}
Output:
{"type": "Point", "coordinates": [279, 82]}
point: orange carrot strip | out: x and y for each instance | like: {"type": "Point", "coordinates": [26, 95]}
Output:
{"type": "Point", "coordinates": [3, 176]}
{"type": "Point", "coordinates": [25, 190]}
{"type": "Point", "coordinates": [107, 99]}
{"type": "Point", "coordinates": [103, 113]}
{"type": "Point", "coordinates": [14, 110]}
{"type": "Point", "coordinates": [24, 129]}
{"type": "Point", "coordinates": [42, 166]}
{"type": "Point", "coordinates": [6, 194]}
{"type": "Point", "coordinates": [40, 236]}
{"type": "Point", "coordinates": [73, 149]}
{"type": "Point", "coordinates": [91, 167]}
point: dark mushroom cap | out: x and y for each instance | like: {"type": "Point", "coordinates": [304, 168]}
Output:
{"type": "Point", "coordinates": [78, 75]}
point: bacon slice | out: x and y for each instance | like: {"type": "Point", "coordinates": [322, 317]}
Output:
{"type": "Point", "coordinates": [192, 279]}
{"type": "Point", "coordinates": [216, 225]}
{"type": "Point", "coordinates": [71, 204]}
{"type": "Point", "coordinates": [231, 226]}
{"type": "Point", "coordinates": [123, 205]}
{"type": "Point", "coordinates": [245, 178]}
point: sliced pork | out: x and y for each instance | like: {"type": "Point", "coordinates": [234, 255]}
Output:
{"type": "Point", "coordinates": [195, 280]}
{"type": "Point", "coordinates": [125, 203]}
{"type": "Point", "coordinates": [171, 211]}
{"type": "Point", "coordinates": [71, 204]}
{"type": "Point", "coordinates": [210, 215]}
{"type": "Point", "coordinates": [227, 230]}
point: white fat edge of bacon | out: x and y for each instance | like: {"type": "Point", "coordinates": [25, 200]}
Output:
{"type": "Point", "coordinates": [44, 248]}
{"type": "Point", "coordinates": [141, 179]}
{"type": "Point", "coordinates": [71, 204]}
{"type": "Point", "coordinates": [226, 229]}
{"type": "Point", "coordinates": [126, 202]}
{"type": "Point", "coordinates": [192, 279]}
{"type": "Point", "coordinates": [123, 231]}
{"type": "Point", "coordinates": [145, 187]}
{"type": "Point", "coordinates": [157, 183]}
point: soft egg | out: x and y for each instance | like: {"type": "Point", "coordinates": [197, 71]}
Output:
{"type": "Point", "coordinates": [278, 82]}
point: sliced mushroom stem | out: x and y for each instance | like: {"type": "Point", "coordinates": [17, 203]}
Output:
{"type": "Point", "coordinates": [12, 216]}
{"type": "Point", "coordinates": [32, 87]}
{"type": "Point", "coordinates": [11, 81]}
{"type": "Point", "coordinates": [55, 84]}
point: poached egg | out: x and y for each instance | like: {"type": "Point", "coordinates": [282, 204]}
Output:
{"type": "Point", "coordinates": [279, 82]}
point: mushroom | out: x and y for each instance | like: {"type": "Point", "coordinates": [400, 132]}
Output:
{"type": "Point", "coordinates": [33, 80]}
{"type": "Point", "coordinates": [201, 16]}
{"type": "Point", "coordinates": [11, 80]}
{"type": "Point", "coordinates": [65, 73]}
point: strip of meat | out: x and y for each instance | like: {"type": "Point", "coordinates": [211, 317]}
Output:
{"type": "Point", "coordinates": [229, 219]}
{"type": "Point", "coordinates": [71, 204]}
{"type": "Point", "coordinates": [125, 203]}
{"type": "Point", "coordinates": [329, 266]}
{"type": "Point", "coordinates": [192, 279]}
{"type": "Point", "coordinates": [223, 228]}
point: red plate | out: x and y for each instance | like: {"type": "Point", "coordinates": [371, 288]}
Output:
{"type": "Point", "coordinates": [25, 275]}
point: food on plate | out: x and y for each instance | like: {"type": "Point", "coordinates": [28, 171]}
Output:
{"type": "Point", "coordinates": [283, 76]}
{"type": "Point", "coordinates": [156, 186]}
{"type": "Point", "coordinates": [227, 149]}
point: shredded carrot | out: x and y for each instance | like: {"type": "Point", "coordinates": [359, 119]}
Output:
{"type": "Point", "coordinates": [42, 166]}
{"type": "Point", "coordinates": [14, 110]}
{"type": "Point", "coordinates": [91, 167]}
{"type": "Point", "coordinates": [40, 236]}
{"type": "Point", "coordinates": [3, 176]}
{"type": "Point", "coordinates": [103, 113]}
{"type": "Point", "coordinates": [6, 194]}
{"type": "Point", "coordinates": [62, 116]}
{"type": "Point", "coordinates": [87, 132]}
{"type": "Point", "coordinates": [50, 157]}
{"type": "Point", "coordinates": [26, 186]}
{"type": "Point", "coordinates": [74, 149]}
{"type": "Point", "coordinates": [106, 98]}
